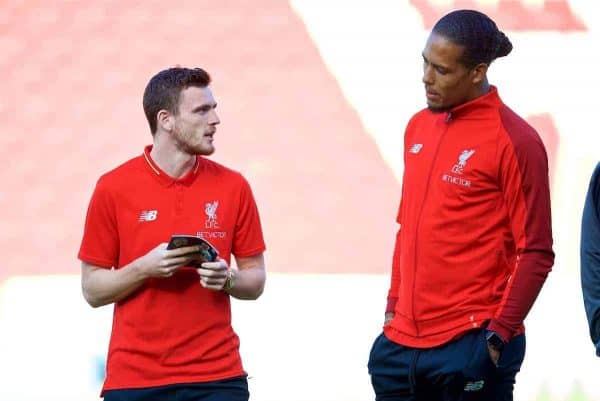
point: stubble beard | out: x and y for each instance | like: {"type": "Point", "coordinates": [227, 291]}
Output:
{"type": "Point", "coordinates": [186, 143]}
{"type": "Point", "coordinates": [438, 109]}
{"type": "Point", "coordinates": [201, 149]}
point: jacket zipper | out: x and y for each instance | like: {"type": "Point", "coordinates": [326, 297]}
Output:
{"type": "Point", "coordinates": [448, 119]}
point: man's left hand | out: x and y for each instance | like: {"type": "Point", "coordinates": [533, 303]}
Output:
{"type": "Point", "coordinates": [494, 354]}
{"type": "Point", "coordinates": [213, 275]}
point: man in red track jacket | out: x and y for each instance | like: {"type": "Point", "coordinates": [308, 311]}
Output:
{"type": "Point", "coordinates": [475, 241]}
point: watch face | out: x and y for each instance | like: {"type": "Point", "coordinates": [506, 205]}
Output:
{"type": "Point", "coordinates": [495, 341]}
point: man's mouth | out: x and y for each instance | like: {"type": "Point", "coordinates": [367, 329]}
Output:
{"type": "Point", "coordinates": [432, 94]}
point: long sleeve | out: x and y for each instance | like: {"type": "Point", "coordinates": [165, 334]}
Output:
{"type": "Point", "coordinates": [525, 186]}
{"type": "Point", "coordinates": [392, 298]}
{"type": "Point", "coordinates": [590, 257]}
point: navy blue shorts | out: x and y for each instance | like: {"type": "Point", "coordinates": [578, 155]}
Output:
{"type": "Point", "coordinates": [235, 389]}
{"type": "Point", "coordinates": [460, 370]}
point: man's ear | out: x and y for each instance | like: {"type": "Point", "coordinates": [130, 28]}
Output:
{"type": "Point", "coordinates": [478, 73]}
{"type": "Point", "coordinates": [165, 120]}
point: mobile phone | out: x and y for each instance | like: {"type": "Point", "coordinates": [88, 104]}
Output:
{"type": "Point", "coordinates": [208, 252]}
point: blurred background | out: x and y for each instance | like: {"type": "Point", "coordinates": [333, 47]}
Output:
{"type": "Point", "coordinates": [313, 97]}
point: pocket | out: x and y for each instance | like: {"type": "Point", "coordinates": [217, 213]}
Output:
{"type": "Point", "coordinates": [513, 354]}
{"type": "Point", "coordinates": [372, 353]}
{"type": "Point", "coordinates": [385, 355]}
{"type": "Point", "coordinates": [480, 365]}
{"type": "Point", "coordinates": [478, 372]}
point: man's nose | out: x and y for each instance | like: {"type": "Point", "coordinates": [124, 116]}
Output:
{"type": "Point", "coordinates": [428, 75]}
{"type": "Point", "coordinates": [215, 118]}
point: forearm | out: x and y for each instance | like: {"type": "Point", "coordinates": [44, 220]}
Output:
{"type": "Point", "coordinates": [395, 279]}
{"type": "Point", "coordinates": [590, 256]}
{"type": "Point", "coordinates": [525, 188]}
{"type": "Point", "coordinates": [522, 290]}
{"type": "Point", "coordinates": [249, 283]}
{"type": "Point", "coordinates": [590, 282]}
{"type": "Point", "coordinates": [104, 286]}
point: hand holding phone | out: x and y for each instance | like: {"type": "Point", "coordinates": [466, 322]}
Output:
{"type": "Point", "coordinates": [208, 253]}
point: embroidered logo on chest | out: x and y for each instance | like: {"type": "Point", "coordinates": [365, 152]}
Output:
{"type": "Point", "coordinates": [462, 161]}
{"type": "Point", "coordinates": [210, 209]}
{"type": "Point", "coordinates": [416, 148]}
{"type": "Point", "coordinates": [148, 215]}
{"type": "Point", "coordinates": [212, 226]}
{"type": "Point", "coordinates": [458, 168]}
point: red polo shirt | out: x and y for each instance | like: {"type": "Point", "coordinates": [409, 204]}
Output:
{"type": "Point", "coordinates": [171, 330]}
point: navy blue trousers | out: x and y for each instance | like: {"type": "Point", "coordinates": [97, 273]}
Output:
{"type": "Point", "coordinates": [460, 370]}
{"type": "Point", "coordinates": [235, 389]}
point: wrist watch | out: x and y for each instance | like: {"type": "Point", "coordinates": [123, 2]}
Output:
{"type": "Point", "coordinates": [495, 340]}
{"type": "Point", "coordinates": [230, 280]}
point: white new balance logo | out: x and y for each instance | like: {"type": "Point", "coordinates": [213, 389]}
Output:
{"type": "Point", "coordinates": [474, 386]}
{"type": "Point", "coordinates": [148, 215]}
{"type": "Point", "coordinates": [416, 148]}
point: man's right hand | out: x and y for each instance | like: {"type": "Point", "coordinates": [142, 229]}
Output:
{"type": "Point", "coordinates": [102, 285]}
{"type": "Point", "coordinates": [161, 262]}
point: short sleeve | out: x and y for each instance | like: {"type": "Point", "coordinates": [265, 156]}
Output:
{"type": "Point", "coordinates": [248, 237]}
{"type": "Point", "coordinates": [100, 242]}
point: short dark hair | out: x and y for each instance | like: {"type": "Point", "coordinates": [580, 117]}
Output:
{"type": "Point", "coordinates": [477, 33]}
{"type": "Point", "coordinates": [164, 89]}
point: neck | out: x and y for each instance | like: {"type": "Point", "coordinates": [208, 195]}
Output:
{"type": "Point", "coordinates": [171, 159]}
{"type": "Point", "coordinates": [482, 89]}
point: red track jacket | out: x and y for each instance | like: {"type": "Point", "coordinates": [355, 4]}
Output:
{"type": "Point", "coordinates": [475, 237]}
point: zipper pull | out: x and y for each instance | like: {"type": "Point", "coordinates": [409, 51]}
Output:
{"type": "Point", "coordinates": [449, 117]}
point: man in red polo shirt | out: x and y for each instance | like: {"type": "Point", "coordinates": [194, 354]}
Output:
{"type": "Point", "coordinates": [172, 336]}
